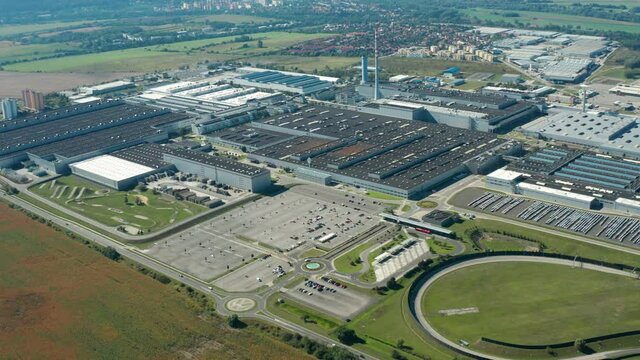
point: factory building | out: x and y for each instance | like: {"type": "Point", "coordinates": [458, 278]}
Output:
{"type": "Point", "coordinates": [55, 139]}
{"type": "Point", "coordinates": [223, 171]}
{"type": "Point", "coordinates": [398, 157]}
{"type": "Point", "coordinates": [573, 178]}
{"type": "Point", "coordinates": [123, 169]}
{"type": "Point", "coordinates": [612, 134]}
{"type": "Point", "coordinates": [569, 70]}
{"type": "Point", "coordinates": [483, 112]}
{"type": "Point", "coordinates": [204, 97]}
{"type": "Point", "coordinates": [285, 82]}
{"type": "Point", "coordinates": [108, 87]}
{"type": "Point", "coordinates": [112, 171]}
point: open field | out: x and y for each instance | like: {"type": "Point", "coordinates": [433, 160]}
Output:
{"type": "Point", "coordinates": [8, 30]}
{"type": "Point", "coordinates": [434, 67]}
{"type": "Point", "coordinates": [531, 303]}
{"type": "Point", "coordinates": [16, 52]}
{"type": "Point", "coordinates": [614, 68]}
{"type": "Point", "coordinates": [294, 312]}
{"type": "Point", "coordinates": [161, 57]}
{"type": "Point", "coordinates": [63, 300]}
{"type": "Point", "coordinates": [390, 320]}
{"type": "Point", "coordinates": [542, 18]}
{"type": "Point", "coordinates": [307, 64]}
{"type": "Point", "coordinates": [232, 18]}
{"type": "Point", "coordinates": [14, 82]}
{"type": "Point", "coordinates": [627, 3]}
{"type": "Point", "coordinates": [143, 210]}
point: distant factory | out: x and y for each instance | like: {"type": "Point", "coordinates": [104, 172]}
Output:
{"type": "Point", "coordinates": [203, 97]}
{"type": "Point", "coordinates": [474, 111]}
{"type": "Point", "coordinates": [287, 82]}
{"type": "Point", "coordinates": [612, 134]}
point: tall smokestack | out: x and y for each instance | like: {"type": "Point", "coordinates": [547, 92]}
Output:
{"type": "Point", "coordinates": [375, 51]}
{"type": "Point", "coordinates": [365, 70]}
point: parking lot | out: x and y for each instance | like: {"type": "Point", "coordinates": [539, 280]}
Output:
{"type": "Point", "coordinates": [302, 215]}
{"type": "Point", "coordinates": [609, 227]}
{"type": "Point", "coordinates": [331, 297]}
{"type": "Point", "coordinates": [202, 253]}
{"type": "Point", "coordinates": [261, 272]}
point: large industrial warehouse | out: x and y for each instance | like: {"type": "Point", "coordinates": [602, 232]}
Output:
{"type": "Point", "coordinates": [286, 82]}
{"type": "Point", "coordinates": [399, 157]}
{"type": "Point", "coordinates": [484, 112]}
{"type": "Point", "coordinates": [203, 97]}
{"type": "Point", "coordinates": [123, 169]}
{"type": "Point", "coordinates": [574, 178]}
{"type": "Point", "coordinates": [55, 139]}
{"type": "Point", "coordinates": [616, 135]}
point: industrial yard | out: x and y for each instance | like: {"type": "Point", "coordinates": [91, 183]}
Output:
{"type": "Point", "coordinates": [333, 208]}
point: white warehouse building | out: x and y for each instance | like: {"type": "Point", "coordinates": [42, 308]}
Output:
{"type": "Point", "coordinates": [111, 171]}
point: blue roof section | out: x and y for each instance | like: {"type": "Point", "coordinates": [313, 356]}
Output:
{"type": "Point", "coordinates": [453, 70]}
{"type": "Point", "coordinates": [294, 81]}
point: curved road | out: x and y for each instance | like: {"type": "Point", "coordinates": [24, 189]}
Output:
{"type": "Point", "coordinates": [419, 316]}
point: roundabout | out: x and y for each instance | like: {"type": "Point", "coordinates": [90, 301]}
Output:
{"type": "Point", "coordinates": [515, 306]}
{"type": "Point", "coordinates": [240, 304]}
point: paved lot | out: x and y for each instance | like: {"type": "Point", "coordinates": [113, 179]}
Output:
{"type": "Point", "coordinates": [302, 215]}
{"type": "Point", "coordinates": [479, 76]}
{"type": "Point", "coordinates": [591, 223]}
{"type": "Point", "coordinates": [246, 278]}
{"type": "Point", "coordinates": [401, 261]}
{"type": "Point", "coordinates": [202, 253]}
{"type": "Point", "coordinates": [343, 304]}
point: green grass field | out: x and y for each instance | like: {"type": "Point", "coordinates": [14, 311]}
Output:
{"type": "Point", "coordinates": [8, 30]}
{"type": "Point", "coordinates": [542, 18]}
{"type": "Point", "coordinates": [233, 18]}
{"type": "Point", "coordinates": [552, 243]}
{"type": "Point", "coordinates": [382, 196]}
{"type": "Point", "coordinates": [439, 247]}
{"type": "Point", "coordinates": [427, 204]}
{"type": "Point", "coordinates": [390, 320]}
{"type": "Point", "coordinates": [161, 57]}
{"type": "Point", "coordinates": [66, 301]}
{"type": "Point", "coordinates": [107, 206]}
{"type": "Point", "coordinates": [294, 311]}
{"type": "Point", "coordinates": [627, 3]}
{"type": "Point", "coordinates": [308, 64]}
{"type": "Point", "coordinates": [29, 52]}
{"type": "Point", "coordinates": [348, 263]}
{"type": "Point", "coordinates": [527, 303]}
{"type": "Point", "coordinates": [434, 67]}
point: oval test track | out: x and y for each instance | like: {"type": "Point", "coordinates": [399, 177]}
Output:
{"type": "Point", "coordinates": [416, 302]}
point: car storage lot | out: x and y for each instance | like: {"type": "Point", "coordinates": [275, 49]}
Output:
{"type": "Point", "coordinates": [591, 223]}
{"type": "Point", "coordinates": [304, 214]}
{"type": "Point", "coordinates": [337, 300]}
